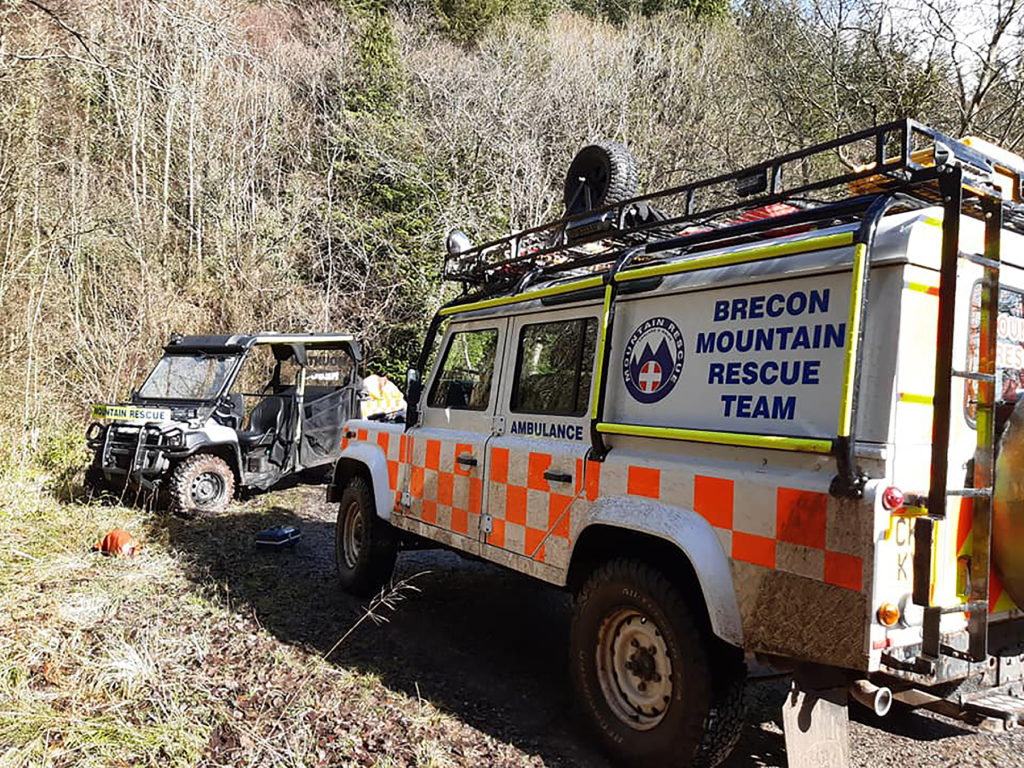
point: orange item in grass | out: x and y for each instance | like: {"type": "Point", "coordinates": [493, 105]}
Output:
{"type": "Point", "coordinates": [118, 542]}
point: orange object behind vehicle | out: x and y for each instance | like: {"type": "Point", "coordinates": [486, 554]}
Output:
{"type": "Point", "coordinates": [769, 211]}
{"type": "Point", "coordinates": [118, 542]}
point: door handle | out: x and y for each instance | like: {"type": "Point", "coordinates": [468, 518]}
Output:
{"type": "Point", "coordinates": [558, 477]}
{"type": "Point", "coordinates": [466, 461]}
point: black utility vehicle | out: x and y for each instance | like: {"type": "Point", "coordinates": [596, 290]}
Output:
{"type": "Point", "coordinates": [224, 412]}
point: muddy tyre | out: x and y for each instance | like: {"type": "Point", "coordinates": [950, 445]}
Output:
{"type": "Point", "coordinates": [202, 484]}
{"type": "Point", "coordinates": [365, 546]}
{"type": "Point", "coordinates": [95, 486]}
{"type": "Point", "coordinates": [727, 715]}
{"type": "Point", "coordinates": [601, 174]}
{"type": "Point", "coordinates": [641, 670]}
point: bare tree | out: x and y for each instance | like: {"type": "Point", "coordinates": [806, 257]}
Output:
{"type": "Point", "coordinates": [984, 42]}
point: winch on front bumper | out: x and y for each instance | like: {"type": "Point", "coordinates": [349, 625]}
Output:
{"type": "Point", "coordinates": [141, 453]}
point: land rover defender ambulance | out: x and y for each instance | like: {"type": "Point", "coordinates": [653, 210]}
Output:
{"type": "Point", "coordinates": [765, 426]}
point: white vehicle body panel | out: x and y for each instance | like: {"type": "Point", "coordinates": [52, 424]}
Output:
{"type": "Point", "coordinates": [784, 567]}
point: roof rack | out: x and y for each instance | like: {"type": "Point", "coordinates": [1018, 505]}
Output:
{"type": "Point", "coordinates": [850, 171]}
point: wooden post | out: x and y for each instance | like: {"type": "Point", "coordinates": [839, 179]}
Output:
{"type": "Point", "coordinates": [817, 729]}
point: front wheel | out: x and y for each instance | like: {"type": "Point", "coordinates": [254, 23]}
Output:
{"type": "Point", "coordinates": [642, 671]}
{"type": "Point", "coordinates": [95, 485]}
{"type": "Point", "coordinates": [364, 545]}
{"type": "Point", "coordinates": [201, 484]}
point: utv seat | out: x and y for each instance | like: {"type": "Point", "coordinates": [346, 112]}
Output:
{"type": "Point", "coordinates": [264, 424]}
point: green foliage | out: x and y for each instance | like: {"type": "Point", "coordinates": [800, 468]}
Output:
{"type": "Point", "coordinates": [63, 454]}
{"type": "Point", "coordinates": [387, 197]}
{"type": "Point", "coordinates": [380, 77]}
{"type": "Point", "coordinates": [467, 20]}
{"type": "Point", "coordinates": [400, 354]}
{"type": "Point", "coordinates": [620, 11]}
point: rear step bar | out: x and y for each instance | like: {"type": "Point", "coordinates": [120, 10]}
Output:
{"type": "Point", "coordinates": [991, 710]}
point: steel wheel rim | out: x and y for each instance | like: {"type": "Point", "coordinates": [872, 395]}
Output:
{"type": "Point", "coordinates": [352, 535]}
{"type": "Point", "coordinates": [206, 488]}
{"type": "Point", "coordinates": [634, 668]}
{"type": "Point", "coordinates": [597, 183]}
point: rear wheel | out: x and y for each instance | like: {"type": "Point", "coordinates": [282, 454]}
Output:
{"type": "Point", "coordinates": [642, 671]}
{"type": "Point", "coordinates": [201, 484]}
{"type": "Point", "coordinates": [365, 546]}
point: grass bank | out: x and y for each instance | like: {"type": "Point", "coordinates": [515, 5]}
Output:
{"type": "Point", "coordinates": [157, 661]}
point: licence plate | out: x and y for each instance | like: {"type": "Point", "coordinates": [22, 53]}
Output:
{"type": "Point", "coordinates": [130, 413]}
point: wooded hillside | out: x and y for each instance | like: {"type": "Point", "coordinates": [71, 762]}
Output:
{"type": "Point", "coordinates": [219, 165]}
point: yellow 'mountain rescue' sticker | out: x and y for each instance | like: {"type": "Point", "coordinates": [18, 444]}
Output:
{"type": "Point", "coordinates": [130, 413]}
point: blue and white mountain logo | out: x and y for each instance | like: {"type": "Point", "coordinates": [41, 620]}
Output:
{"type": "Point", "coordinates": [653, 359]}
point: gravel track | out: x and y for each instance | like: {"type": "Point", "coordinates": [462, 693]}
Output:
{"type": "Point", "coordinates": [490, 646]}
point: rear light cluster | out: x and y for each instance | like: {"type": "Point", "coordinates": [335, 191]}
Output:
{"type": "Point", "coordinates": [892, 498]}
{"type": "Point", "coordinates": [888, 615]}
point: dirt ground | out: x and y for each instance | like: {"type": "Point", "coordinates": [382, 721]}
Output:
{"type": "Point", "coordinates": [488, 646]}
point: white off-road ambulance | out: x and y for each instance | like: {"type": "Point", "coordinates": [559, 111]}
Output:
{"type": "Point", "coordinates": [756, 416]}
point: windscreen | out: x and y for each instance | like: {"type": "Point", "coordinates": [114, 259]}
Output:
{"type": "Point", "coordinates": [196, 376]}
{"type": "Point", "coordinates": [328, 367]}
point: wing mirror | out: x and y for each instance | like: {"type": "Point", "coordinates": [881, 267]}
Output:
{"type": "Point", "coordinates": [413, 386]}
{"type": "Point", "coordinates": [413, 390]}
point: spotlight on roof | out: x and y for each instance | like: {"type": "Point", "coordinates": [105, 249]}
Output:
{"type": "Point", "coordinates": [457, 243]}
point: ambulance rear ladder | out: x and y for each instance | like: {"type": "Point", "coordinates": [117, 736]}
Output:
{"type": "Point", "coordinates": [953, 188]}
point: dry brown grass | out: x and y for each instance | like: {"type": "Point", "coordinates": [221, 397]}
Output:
{"type": "Point", "coordinates": [108, 662]}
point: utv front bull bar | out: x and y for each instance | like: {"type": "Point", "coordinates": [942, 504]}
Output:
{"type": "Point", "coordinates": [139, 453]}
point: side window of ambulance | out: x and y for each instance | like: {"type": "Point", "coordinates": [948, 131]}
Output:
{"type": "Point", "coordinates": [553, 367]}
{"type": "Point", "coordinates": [464, 378]}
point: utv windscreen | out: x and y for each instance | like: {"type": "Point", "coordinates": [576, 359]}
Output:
{"type": "Point", "coordinates": [195, 376]}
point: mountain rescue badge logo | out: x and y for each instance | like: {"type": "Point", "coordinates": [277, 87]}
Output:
{"type": "Point", "coordinates": [653, 360]}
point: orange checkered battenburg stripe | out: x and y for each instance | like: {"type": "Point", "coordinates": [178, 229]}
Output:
{"type": "Point", "coordinates": [791, 538]}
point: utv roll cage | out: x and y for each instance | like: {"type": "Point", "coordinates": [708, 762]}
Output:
{"type": "Point", "coordinates": [856, 179]}
{"type": "Point", "coordinates": [283, 346]}
{"type": "Point", "coordinates": [239, 342]}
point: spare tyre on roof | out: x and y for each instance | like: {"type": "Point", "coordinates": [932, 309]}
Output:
{"type": "Point", "coordinates": [601, 174]}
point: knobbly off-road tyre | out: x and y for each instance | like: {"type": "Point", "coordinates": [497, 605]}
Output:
{"type": "Point", "coordinates": [608, 169]}
{"type": "Point", "coordinates": [365, 547]}
{"type": "Point", "coordinates": [202, 484]}
{"type": "Point", "coordinates": [628, 614]}
{"type": "Point", "coordinates": [95, 486]}
{"type": "Point", "coordinates": [727, 715]}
